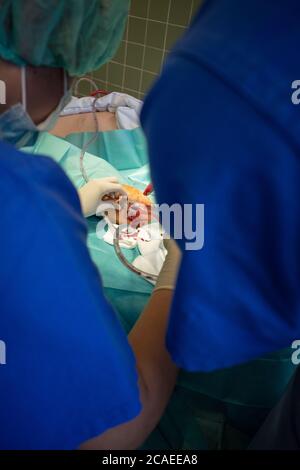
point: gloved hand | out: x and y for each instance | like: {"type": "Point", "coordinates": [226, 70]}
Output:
{"type": "Point", "coordinates": [93, 192]}
{"type": "Point", "coordinates": [168, 274]}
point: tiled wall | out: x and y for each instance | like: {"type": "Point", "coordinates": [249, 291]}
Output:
{"type": "Point", "coordinates": [152, 28]}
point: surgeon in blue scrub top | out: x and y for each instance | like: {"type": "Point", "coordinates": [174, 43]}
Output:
{"type": "Point", "coordinates": [68, 375]}
{"type": "Point", "coordinates": [223, 130]}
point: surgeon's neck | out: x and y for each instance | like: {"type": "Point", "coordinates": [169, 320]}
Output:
{"type": "Point", "coordinates": [44, 88]}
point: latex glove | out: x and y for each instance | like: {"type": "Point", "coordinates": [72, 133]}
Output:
{"type": "Point", "coordinates": [168, 274]}
{"type": "Point", "coordinates": [93, 192]}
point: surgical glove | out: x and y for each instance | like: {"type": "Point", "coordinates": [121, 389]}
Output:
{"type": "Point", "coordinates": [168, 274]}
{"type": "Point", "coordinates": [92, 193]}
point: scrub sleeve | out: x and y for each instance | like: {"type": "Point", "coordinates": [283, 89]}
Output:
{"type": "Point", "coordinates": [69, 373]}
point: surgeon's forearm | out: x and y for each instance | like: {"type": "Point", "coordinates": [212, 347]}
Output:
{"type": "Point", "coordinates": [157, 376]}
{"type": "Point", "coordinates": [156, 370]}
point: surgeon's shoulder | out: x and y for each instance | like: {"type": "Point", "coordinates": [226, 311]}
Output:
{"type": "Point", "coordinates": [35, 177]}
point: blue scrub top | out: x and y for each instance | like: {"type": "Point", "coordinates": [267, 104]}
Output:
{"type": "Point", "coordinates": [69, 372]}
{"type": "Point", "coordinates": [223, 131]}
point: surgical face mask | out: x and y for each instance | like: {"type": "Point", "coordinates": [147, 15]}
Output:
{"type": "Point", "coordinates": [17, 127]}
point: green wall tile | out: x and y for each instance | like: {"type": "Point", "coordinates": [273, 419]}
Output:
{"type": "Point", "coordinates": [139, 8]}
{"type": "Point", "coordinates": [115, 88]}
{"type": "Point", "coordinates": [147, 81]}
{"type": "Point", "coordinates": [115, 73]}
{"type": "Point", "coordinates": [153, 59]}
{"type": "Point", "coordinates": [180, 12]}
{"type": "Point", "coordinates": [137, 30]}
{"type": "Point", "coordinates": [156, 34]}
{"type": "Point", "coordinates": [131, 92]}
{"type": "Point", "coordinates": [101, 85]}
{"type": "Point", "coordinates": [84, 88]}
{"type": "Point", "coordinates": [126, 29]}
{"type": "Point", "coordinates": [159, 9]}
{"type": "Point", "coordinates": [100, 73]}
{"type": "Point", "coordinates": [173, 33]}
{"type": "Point", "coordinates": [134, 55]}
{"type": "Point", "coordinates": [120, 54]}
{"type": "Point", "coordinates": [159, 35]}
{"type": "Point", "coordinates": [132, 78]}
